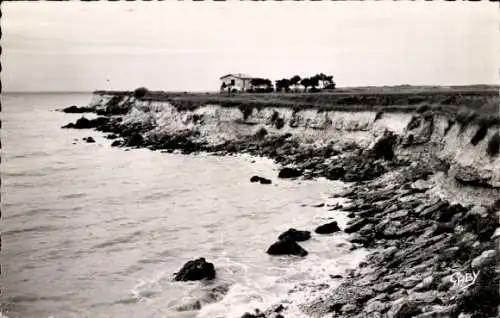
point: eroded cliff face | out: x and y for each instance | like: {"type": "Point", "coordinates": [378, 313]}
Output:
{"type": "Point", "coordinates": [462, 146]}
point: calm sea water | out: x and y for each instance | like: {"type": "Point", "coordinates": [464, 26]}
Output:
{"type": "Point", "coordinates": [94, 231]}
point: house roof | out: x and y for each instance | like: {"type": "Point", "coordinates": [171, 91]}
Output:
{"type": "Point", "coordinates": [238, 75]}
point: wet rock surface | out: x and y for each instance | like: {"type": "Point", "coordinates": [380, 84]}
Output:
{"type": "Point", "coordinates": [286, 247]}
{"type": "Point", "coordinates": [295, 235]}
{"type": "Point", "coordinates": [196, 270]}
{"type": "Point", "coordinates": [261, 180]}
{"type": "Point", "coordinates": [78, 110]}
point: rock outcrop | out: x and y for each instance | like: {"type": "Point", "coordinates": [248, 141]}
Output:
{"type": "Point", "coordinates": [197, 269]}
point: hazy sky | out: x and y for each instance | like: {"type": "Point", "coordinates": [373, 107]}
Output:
{"type": "Point", "coordinates": [78, 46]}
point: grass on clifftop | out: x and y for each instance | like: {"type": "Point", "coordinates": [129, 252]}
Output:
{"type": "Point", "coordinates": [480, 99]}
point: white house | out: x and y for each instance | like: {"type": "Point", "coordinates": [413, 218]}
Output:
{"type": "Point", "coordinates": [241, 82]}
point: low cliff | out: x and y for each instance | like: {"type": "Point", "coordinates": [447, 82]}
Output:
{"type": "Point", "coordinates": [423, 195]}
{"type": "Point", "coordinates": [466, 142]}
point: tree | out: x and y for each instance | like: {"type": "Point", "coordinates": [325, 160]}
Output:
{"type": "Point", "coordinates": [314, 81]}
{"type": "Point", "coordinates": [140, 92]}
{"type": "Point", "coordinates": [283, 84]}
{"type": "Point", "coordinates": [306, 82]}
{"type": "Point", "coordinates": [295, 80]}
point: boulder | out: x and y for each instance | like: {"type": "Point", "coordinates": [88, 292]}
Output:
{"type": "Point", "coordinates": [84, 123]}
{"type": "Point", "coordinates": [295, 235]}
{"type": "Point", "coordinates": [468, 176]}
{"type": "Point", "coordinates": [261, 180]}
{"type": "Point", "coordinates": [116, 143]}
{"type": "Point", "coordinates": [286, 247]}
{"type": "Point", "coordinates": [289, 173]}
{"type": "Point", "coordinates": [89, 139]}
{"type": "Point", "coordinates": [255, 179]}
{"type": "Point", "coordinates": [486, 258]}
{"type": "Point", "coordinates": [327, 228]}
{"type": "Point", "coordinates": [384, 146]}
{"type": "Point", "coordinates": [196, 270]}
{"type": "Point", "coordinates": [265, 181]}
{"type": "Point", "coordinates": [77, 110]}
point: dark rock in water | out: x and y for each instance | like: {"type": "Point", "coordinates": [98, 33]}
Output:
{"type": "Point", "coordinates": [76, 109]}
{"type": "Point", "coordinates": [116, 143]}
{"type": "Point", "coordinates": [335, 173]}
{"type": "Point", "coordinates": [260, 179]}
{"type": "Point", "coordinates": [196, 270]}
{"type": "Point", "coordinates": [84, 123]}
{"type": "Point", "coordinates": [190, 307]}
{"type": "Point", "coordinates": [289, 173]}
{"type": "Point", "coordinates": [327, 228]}
{"type": "Point", "coordinates": [111, 136]}
{"type": "Point", "coordinates": [255, 179]}
{"type": "Point", "coordinates": [265, 181]}
{"type": "Point", "coordinates": [256, 315]}
{"type": "Point", "coordinates": [286, 247]}
{"type": "Point", "coordinates": [295, 235]}
{"type": "Point", "coordinates": [135, 140]}
{"type": "Point", "coordinates": [89, 139]}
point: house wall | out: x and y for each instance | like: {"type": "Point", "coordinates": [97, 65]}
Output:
{"type": "Point", "coordinates": [239, 84]}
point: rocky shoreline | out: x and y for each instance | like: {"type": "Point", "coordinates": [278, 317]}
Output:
{"type": "Point", "coordinates": [423, 245]}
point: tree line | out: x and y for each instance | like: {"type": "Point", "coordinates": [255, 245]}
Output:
{"type": "Point", "coordinates": [313, 82]}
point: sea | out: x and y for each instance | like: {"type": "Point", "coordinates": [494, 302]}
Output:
{"type": "Point", "coordinates": [88, 230]}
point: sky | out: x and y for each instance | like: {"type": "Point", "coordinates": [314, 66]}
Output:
{"type": "Point", "coordinates": [187, 46]}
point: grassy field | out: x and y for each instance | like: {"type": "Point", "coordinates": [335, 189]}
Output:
{"type": "Point", "coordinates": [482, 99]}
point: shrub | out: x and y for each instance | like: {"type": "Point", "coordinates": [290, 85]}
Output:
{"type": "Point", "coordinates": [140, 92]}
{"type": "Point", "coordinates": [246, 110]}
{"type": "Point", "coordinates": [493, 145]}
{"type": "Point", "coordinates": [274, 117]}
{"type": "Point", "coordinates": [261, 133]}
{"type": "Point", "coordinates": [280, 122]}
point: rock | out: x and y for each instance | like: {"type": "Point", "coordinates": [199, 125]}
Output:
{"type": "Point", "coordinates": [485, 259]}
{"type": "Point", "coordinates": [265, 181]}
{"type": "Point", "coordinates": [403, 308]}
{"type": "Point", "coordinates": [319, 205]}
{"type": "Point", "coordinates": [335, 173]}
{"type": "Point", "coordinates": [76, 110]}
{"type": "Point", "coordinates": [261, 180]}
{"type": "Point", "coordinates": [425, 284]}
{"type": "Point", "coordinates": [111, 136]}
{"type": "Point", "coordinates": [469, 176]}
{"type": "Point", "coordinates": [482, 298]}
{"type": "Point", "coordinates": [327, 228]}
{"type": "Point", "coordinates": [286, 247]}
{"type": "Point", "coordinates": [89, 140]}
{"type": "Point", "coordinates": [255, 179]}
{"type": "Point", "coordinates": [289, 173]}
{"type": "Point", "coordinates": [356, 225]}
{"type": "Point", "coordinates": [384, 146]}
{"type": "Point", "coordinates": [84, 123]}
{"type": "Point", "coordinates": [295, 235]}
{"type": "Point", "coordinates": [196, 305]}
{"type": "Point", "coordinates": [480, 222]}
{"type": "Point", "coordinates": [116, 143]}
{"type": "Point", "coordinates": [348, 309]}
{"type": "Point", "coordinates": [135, 140]}
{"type": "Point", "coordinates": [196, 270]}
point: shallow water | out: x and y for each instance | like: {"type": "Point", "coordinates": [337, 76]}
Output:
{"type": "Point", "coordinates": [90, 230]}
